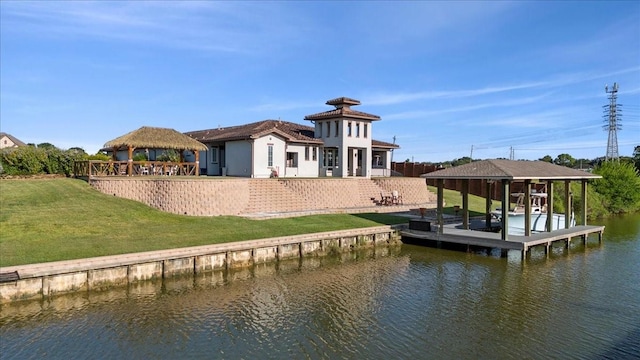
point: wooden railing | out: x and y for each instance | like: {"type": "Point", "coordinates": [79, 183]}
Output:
{"type": "Point", "coordinates": [92, 168]}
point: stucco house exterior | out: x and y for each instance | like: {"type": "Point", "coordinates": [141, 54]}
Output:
{"type": "Point", "coordinates": [339, 144]}
{"type": "Point", "coordinates": [8, 141]}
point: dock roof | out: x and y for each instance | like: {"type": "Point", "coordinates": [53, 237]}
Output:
{"type": "Point", "coordinates": [514, 170]}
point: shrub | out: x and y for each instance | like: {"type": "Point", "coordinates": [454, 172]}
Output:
{"type": "Point", "coordinates": [99, 156]}
{"type": "Point", "coordinates": [169, 155]}
{"type": "Point", "coordinates": [24, 160]}
{"type": "Point", "coordinates": [619, 186]}
{"type": "Point", "coordinates": [31, 160]}
{"type": "Point", "coordinates": [140, 157]}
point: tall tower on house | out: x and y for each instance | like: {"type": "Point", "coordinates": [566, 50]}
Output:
{"type": "Point", "coordinates": [612, 115]}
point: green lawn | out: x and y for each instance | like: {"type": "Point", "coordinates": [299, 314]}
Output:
{"type": "Point", "coordinates": [452, 198]}
{"type": "Point", "coordinates": [45, 220]}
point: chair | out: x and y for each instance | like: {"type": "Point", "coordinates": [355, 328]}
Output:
{"type": "Point", "coordinates": [122, 169]}
{"type": "Point", "coordinates": [396, 198]}
{"type": "Point", "coordinates": [144, 170]}
{"type": "Point", "coordinates": [385, 199]}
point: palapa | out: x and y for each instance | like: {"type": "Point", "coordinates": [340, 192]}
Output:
{"type": "Point", "coordinates": [156, 137]}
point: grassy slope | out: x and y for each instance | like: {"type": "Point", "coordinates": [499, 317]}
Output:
{"type": "Point", "coordinates": [476, 203]}
{"type": "Point", "coordinates": [61, 219]}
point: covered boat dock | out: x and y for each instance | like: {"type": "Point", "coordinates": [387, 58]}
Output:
{"type": "Point", "coordinates": [506, 173]}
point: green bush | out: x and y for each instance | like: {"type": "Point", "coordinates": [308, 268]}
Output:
{"type": "Point", "coordinates": [619, 186]}
{"type": "Point", "coordinates": [140, 157]}
{"type": "Point", "coordinates": [24, 160]}
{"type": "Point", "coordinates": [31, 160]}
{"type": "Point", "coordinates": [595, 208]}
{"type": "Point", "coordinates": [99, 156]}
{"type": "Point", "coordinates": [169, 155]}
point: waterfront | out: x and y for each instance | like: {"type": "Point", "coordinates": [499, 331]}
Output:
{"type": "Point", "coordinates": [410, 302]}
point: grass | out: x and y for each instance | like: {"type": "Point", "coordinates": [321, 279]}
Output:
{"type": "Point", "coordinates": [44, 220]}
{"type": "Point", "coordinates": [453, 197]}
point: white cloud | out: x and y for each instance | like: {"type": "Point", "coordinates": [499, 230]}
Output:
{"type": "Point", "coordinates": [207, 26]}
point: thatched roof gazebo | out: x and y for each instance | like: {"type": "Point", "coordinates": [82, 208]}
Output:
{"type": "Point", "coordinates": [155, 137]}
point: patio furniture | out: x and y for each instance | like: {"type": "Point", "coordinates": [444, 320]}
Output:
{"type": "Point", "coordinates": [385, 198]}
{"type": "Point", "coordinates": [396, 198]}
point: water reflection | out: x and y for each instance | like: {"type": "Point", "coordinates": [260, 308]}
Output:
{"type": "Point", "coordinates": [407, 302]}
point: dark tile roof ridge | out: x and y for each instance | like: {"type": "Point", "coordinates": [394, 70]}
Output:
{"type": "Point", "coordinates": [341, 112]}
{"type": "Point", "coordinates": [343, 100]}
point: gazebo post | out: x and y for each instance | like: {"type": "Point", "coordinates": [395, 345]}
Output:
{"type": "Point", "coordinates": [465, 204]}
{"type": "Point", "coordinates": [440, 205]}
{"type": "Point", "coordinates": [527, 207]}
{"type": "Point", "coordinates": [549, 224]}
{"type": "Point", "coordinates": [567, 204]}
{"type": "Point", "coordinates": [505, 209]}
{"type": "Point", "coordinates": [130, 161]}
{"type": "Point", "coordinates": [487, 204]}
{"type": "Point", "coordinates": [197, 155]}
{"type": "Point", "coordinates": [584, 202]}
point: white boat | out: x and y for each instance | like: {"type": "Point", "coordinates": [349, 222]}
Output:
{"type": "Point", "coordinates": [538, 215]}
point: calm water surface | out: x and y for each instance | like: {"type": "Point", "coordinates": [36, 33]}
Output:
{"type": "Point", "coordinates": [407, 302]}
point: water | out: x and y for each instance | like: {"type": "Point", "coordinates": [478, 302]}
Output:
{"type": "Point", "coordinates": [408, 302]}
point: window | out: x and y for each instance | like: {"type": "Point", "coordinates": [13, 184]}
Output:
{"type": "Point", "coordinates": [319, 130]}
{"type": "Point", "coordinates": [214, 155]}
{"type": "Point", "coordinates": [328, 156]}
{"type": "Point", "coordinates": [337, 128]}
{"type": "Point", "coordinates": [269, 154]}
{"type": "Point", "coordinates": [366, 130]}
{"type": "Point", "coordinates": [349, 129]}
{"type": "Point", "coordinates": [306, 153]}
{"type": "Point", "coordinates": [314, 153]}
{"type": "Point", "coordinates": [328, 128]}
{"type": "Point", "coordinates": [292, 159]}
{"type": "Point", "coordinates": [357, 129]}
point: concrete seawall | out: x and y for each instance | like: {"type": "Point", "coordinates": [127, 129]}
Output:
{"type": "Point", "coordinates": [40, 281]}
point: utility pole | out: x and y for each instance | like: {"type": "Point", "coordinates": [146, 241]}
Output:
{"type": "Point", "coordinates": [471, 155]}
{"type": "Point", "coordinates": [612, 115]}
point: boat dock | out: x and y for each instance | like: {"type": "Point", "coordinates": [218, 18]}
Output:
{"type": "Point", "coordinates": [453, 235]}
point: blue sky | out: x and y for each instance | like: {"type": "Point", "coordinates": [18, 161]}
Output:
{"type": "Point", "coordinates": [443, 76]}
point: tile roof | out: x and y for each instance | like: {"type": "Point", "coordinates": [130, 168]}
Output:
{"type": "Point", "coordinates": [499, 169]}
{"type": "Point", "coordinates": [290, 131]}
{"type": "Point", "coordinates": [342, 110]}
{"type": "Point", "coordinates": [382, 144]}
{"type": "Point", "coordinates": [343, 101]}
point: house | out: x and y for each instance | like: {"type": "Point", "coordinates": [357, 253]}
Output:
{"type": "Point", "coordinates": [8, 141]}
{"type": "Point", "coordinates": [339, 144]}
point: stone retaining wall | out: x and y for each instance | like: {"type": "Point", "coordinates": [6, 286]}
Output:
{"type": "Point", "coordinates": [240, 196]}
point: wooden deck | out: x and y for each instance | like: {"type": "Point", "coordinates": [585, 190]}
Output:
{"type": "Point", "coordinates": [453, 235]}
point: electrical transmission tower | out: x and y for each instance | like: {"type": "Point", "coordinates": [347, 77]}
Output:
{"type": "Point", "coordinates": [612, 115]}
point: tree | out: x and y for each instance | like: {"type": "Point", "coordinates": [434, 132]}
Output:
{"type": "Point", "coordinates": [46, 146]}
{"type": "Point", "coordinates": [565, 160]}
{"type": "Point", "coordinates": [461, 161]}
{"type": "Point", "coordinates": [619, 186]}
{"type": "Point", "coordinates": [636, 157]}
{"type": "Point", "coordinates": [546, 158]}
